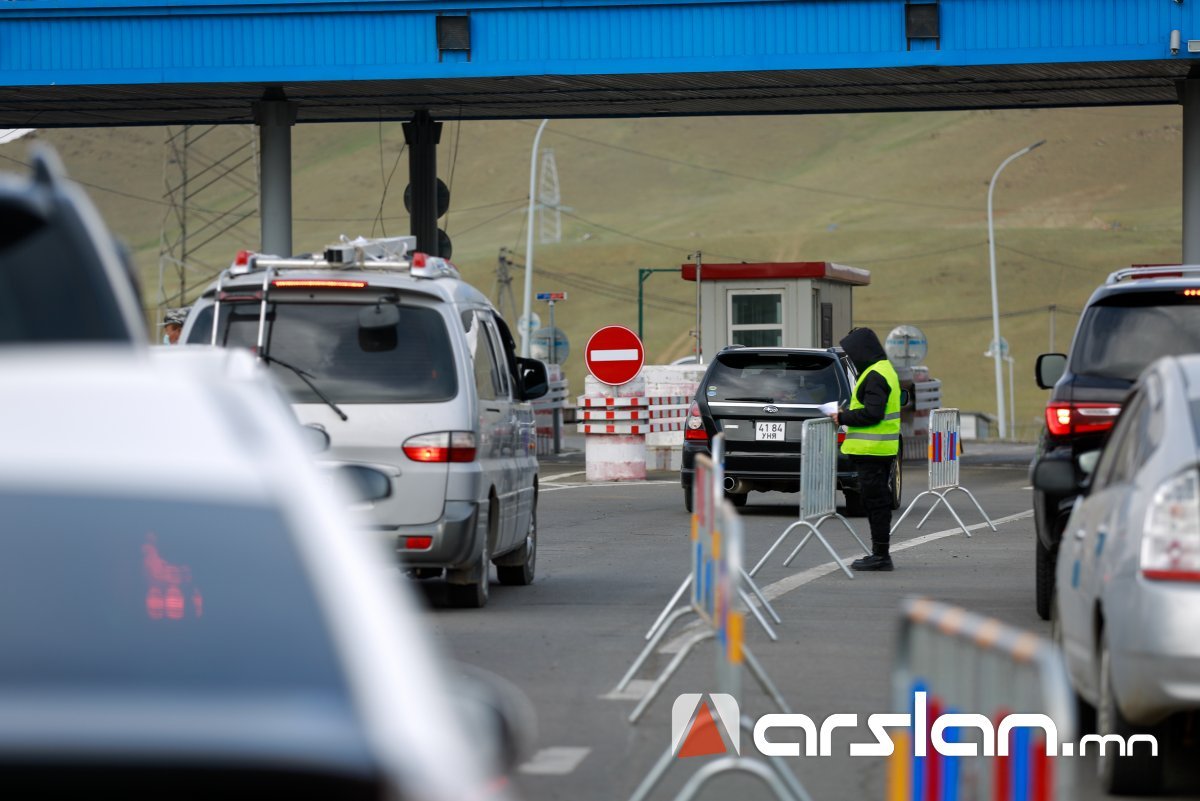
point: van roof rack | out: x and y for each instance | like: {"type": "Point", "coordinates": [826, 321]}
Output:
{"type": "Point", "coordinates": [1142, 272]}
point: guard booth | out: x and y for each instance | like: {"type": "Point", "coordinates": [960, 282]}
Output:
{"type": "Point", "coordinates": [805, 304]}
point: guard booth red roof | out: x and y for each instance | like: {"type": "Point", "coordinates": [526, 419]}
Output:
{"type": "Point", "coordinates": [823, 270]}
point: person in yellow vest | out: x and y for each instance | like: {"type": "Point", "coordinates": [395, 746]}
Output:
{"type": "Point", "coordinates": [872, 422]}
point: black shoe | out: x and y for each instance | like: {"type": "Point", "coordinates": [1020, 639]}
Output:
{"type": "Point", "coordinates": [873, 562]}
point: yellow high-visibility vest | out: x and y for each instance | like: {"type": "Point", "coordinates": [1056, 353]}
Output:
{"type": "Point", "coordinates": [883, 438]}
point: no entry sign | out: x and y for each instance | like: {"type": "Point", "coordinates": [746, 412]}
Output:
{"type": "Point", "coordinates": [614, 355]}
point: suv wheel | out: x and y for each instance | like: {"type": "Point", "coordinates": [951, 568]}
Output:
{"type": "Point", "coordinates": [520, 565]}
{"type": "Point", "coordinates": [896, 480]}
{"type": "Point", "coordinates": [1044, 570]}
{"type": "Point", "coordinates": [471, 588]}
{"type": "Point", "coordinates": [687, 498]}
{"type": "Point", "coordinates": [1137, 771]}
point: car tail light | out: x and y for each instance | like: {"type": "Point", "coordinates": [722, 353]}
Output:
{"type": "Point", "coordinates": [441, 446]}
{"type": "Point", "coordinates": [694, 427]}
{"type": "Point", "coordinates": [1171, 534]}
{"type": "Point", "coordinates": [317, 283]}
{"type": "Point", "coordinates": [418, 543]}
{"type": "Point", "coordinates": [1069, 419]}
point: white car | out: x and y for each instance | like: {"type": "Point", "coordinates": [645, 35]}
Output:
{"type": "Point", "coordinates": [186, 612]}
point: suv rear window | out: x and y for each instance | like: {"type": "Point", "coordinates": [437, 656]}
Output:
{"type": "Point", "coordinates": [115, 592]}
{"type": "Point", "coordinates": [1121, 334]}
{"type": "Point", "coordinates": [774, 378]}
{"type": "Point", "coordinates": [411, 362]}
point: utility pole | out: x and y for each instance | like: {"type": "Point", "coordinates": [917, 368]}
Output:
{"type": "Point", "coordinates": [503, 291]}
{"type": "Point", "coordinates": [698, 257]}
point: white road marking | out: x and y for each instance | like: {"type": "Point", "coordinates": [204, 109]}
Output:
{"type": "Point", "coordinates": [558, 476]}
{"type": "Point", "coordinates": [557, 761]}
{"type": "Point", "coordinates": [797, 580]}
{"type": "Point", "coordinates": [613, 355]}
{"type": "Point", "coordinates": [609, 484]}
{"type": "Point", "coordinates": [634, 691]}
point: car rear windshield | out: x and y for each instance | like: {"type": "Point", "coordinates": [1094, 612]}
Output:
{"type": "Point", "coordinates": [1122, 334]}
{"type": "Point", "coordinates": [774, 378]}
{"type": "Point", "coordinates": [409, 362]}
{"type": "Point", "coordinates": [124, 593]}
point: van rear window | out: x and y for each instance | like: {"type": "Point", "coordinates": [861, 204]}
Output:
{"type": "Point", "coordinates": [409, 362]}
{"type": "Point", "coordinates": [1121, 335]}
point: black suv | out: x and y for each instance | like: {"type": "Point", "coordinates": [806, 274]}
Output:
{"type": "Point", "coordinates": [1138, 315]}
{"type": "Point", "coordinates": [760, 398]}
{"type": "Point", "coordinates": [63, 277]}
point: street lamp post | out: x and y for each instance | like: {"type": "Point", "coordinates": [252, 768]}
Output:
{"type": "Point", "coordinates": [527, 327]}
{"type": "Point", "coordinates": [995, 302]}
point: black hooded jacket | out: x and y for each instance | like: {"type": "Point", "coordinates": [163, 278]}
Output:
{"type": "Point", "coordinates": [864, 349]}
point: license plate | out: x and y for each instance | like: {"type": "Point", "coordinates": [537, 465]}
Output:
{"type": "Point", "coordinates": [770, 432]}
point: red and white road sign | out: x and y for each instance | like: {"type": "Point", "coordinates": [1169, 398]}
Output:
{"type": "Point", "coordinates": [614, 355]}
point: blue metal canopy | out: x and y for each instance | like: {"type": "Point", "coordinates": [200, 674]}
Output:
{"type": "Point", "coordinates": [136, 62]}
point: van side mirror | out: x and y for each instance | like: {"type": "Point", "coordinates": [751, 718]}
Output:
{"type": "Point", "coordinates": [1050, 367]}
{"type": "Point", "coordinates": [1056, 477]}
{"type": "Point", "coordinates": [532, 380]}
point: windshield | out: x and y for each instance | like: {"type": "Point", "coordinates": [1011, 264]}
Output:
{"type": "Point", "coordinates": [1120, 336]}
{"type": "Point", "coordinates": [102, 592]}
{"type": "Point", "coordinates": [411, 361]}
{"type": "Point", "coordinates": [774, 378]}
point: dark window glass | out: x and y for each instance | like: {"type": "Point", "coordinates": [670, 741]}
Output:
{"type": "Point", "coordinates": [1120, 336]}
{"type": "Point", "coordinates": [774, 378]}
{"type": "Point", "coordinates": [758, 338]}
{"type": "Point", "coordinates": [409, 362]}
{"type": "Point", "coordinates": [155, 594]}
{"type": "Point", "coordinates": [757, 309]}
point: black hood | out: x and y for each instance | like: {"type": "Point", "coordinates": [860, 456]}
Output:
{"type": "Point", "coordinates": [863, 348]}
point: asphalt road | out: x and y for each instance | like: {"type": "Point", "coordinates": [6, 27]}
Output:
{"type": "Point", "coordinates": [611, 555]}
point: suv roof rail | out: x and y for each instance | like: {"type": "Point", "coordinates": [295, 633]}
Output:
{"type": "Point", "coordinates": [1147, 271]}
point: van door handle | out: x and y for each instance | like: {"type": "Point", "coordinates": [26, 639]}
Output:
{"type": "Point", "coordinates": [495, 409]}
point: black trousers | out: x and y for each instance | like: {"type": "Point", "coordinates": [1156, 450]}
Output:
{"type": "Point", "coordinates": [873, 474]}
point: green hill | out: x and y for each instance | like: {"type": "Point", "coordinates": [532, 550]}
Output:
{"type": "Point", "coordinates": [901, 194]}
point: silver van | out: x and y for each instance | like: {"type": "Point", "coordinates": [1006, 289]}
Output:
{"type": "Point", "coordinates": [412, 375]}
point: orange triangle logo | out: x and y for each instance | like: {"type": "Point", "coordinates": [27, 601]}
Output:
{"type": "Point", "coordinates": [702, 738]}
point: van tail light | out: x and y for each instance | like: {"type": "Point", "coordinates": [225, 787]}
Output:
{"type": "Point", "coordinates": [694, 427]}
{"type": "Point", "coordinates": [1171, 533]}
{"type": "Point", "coordinates": [1070, 419]}
{"type": "Point", "coordinates": [441, 446]}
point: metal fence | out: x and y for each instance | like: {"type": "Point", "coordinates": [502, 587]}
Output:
{"type": "Point", "coordinates": [818, 492]}
{"type": "Point", "coordinates": [950, 661]}
{"type": "Point", "coordinates": [944, 449]}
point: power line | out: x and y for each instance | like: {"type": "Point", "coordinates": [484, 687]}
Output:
{"type": "Point", "coordinates": [644, 240]}
{"type": "Point", "coordinates": [979, 318]}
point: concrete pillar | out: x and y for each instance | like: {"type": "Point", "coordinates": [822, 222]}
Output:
{"type": "Point", "coordinates": [422, 136]}
{"type": "Point", "coordinates": [1191, 171]}
{"type": "Point", "coordinates": [275, 116]}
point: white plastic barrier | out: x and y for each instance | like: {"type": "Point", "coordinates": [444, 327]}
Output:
{"type": "Point", "coordinates": [944, 442]}
{"type": "Point", "coordinates": [950, 661]}
{"type": "Point", "coordinates": [616, 421]}
{"type": "Point", "coordinates": [664, 449]}
{"type": "Point", "coordinates": [548, 412]}
{"type": "Point", "coordinates": [818, 492]}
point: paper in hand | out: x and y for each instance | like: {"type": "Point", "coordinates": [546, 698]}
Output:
{"type": "Point", "coordinates": [829, 408]}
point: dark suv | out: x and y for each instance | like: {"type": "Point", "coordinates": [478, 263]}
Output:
{"type": "Point", "coordinates": [760, 398]}
{"type": "Point", "coordinates": [63, 277]}
{"type": "Point", "coordinates": [1138, 315]}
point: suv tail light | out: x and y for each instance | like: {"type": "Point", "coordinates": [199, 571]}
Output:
{"type": "Point", "coordinates": [694, 427]}
{"type": "Point", "coordinates": [1070, 419]}
{"type": "Point", "coordinates": [1171, 534]}
{"type": "Point", "coordinates": [441, 446]}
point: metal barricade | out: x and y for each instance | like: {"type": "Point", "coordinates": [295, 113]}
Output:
{"type": "Point", "coordinates": [818, 492]}
{"type": "Point", "coordinates": [715, 596]}
{"type": "Point", "coordinates": [951, 662]}
{"type": "Point", "coordinates": [707, 498]}
{"type": "Point", "coordinates": [944, 444]}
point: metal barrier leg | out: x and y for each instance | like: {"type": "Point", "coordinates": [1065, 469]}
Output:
{"type": "Point", "coordinates": [850, 528]}
{"type": "Point", "coordinates": [761, 598]}
{"type": "Point", "coordinates": [653, 777]}
{"type": "Point", "coordinates": [813, 530]}
{"type": "Point", "coordinates": [912, 505]}
{"type": "Point", "coordinates": [764, 680]}
{"type": "Point", "coordinates": [977, 506]}
{"type": "Point", "coordinates": [650, 646]}
{"type": "Point", "coordinates": [762, 621]}
{"type": "Point", "coordinates": [735, 765]}
{"type": "Point", "coordinates": [666, 675]}
{"type": "Point", "coordinates": [687, 582]}
{"type": "Point", "coordinates": [941, 498]}
{"type": "Point", "coordinates": [779, 765]}
{"type": "Point", "coordinates": [754, 570]}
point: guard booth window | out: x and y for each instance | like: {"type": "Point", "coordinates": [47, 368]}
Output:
{"type": "Point", "coordinates": [756, 318]}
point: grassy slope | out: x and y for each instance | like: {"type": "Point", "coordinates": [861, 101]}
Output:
{"type": "Point", "coordinates": [902, 194]}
